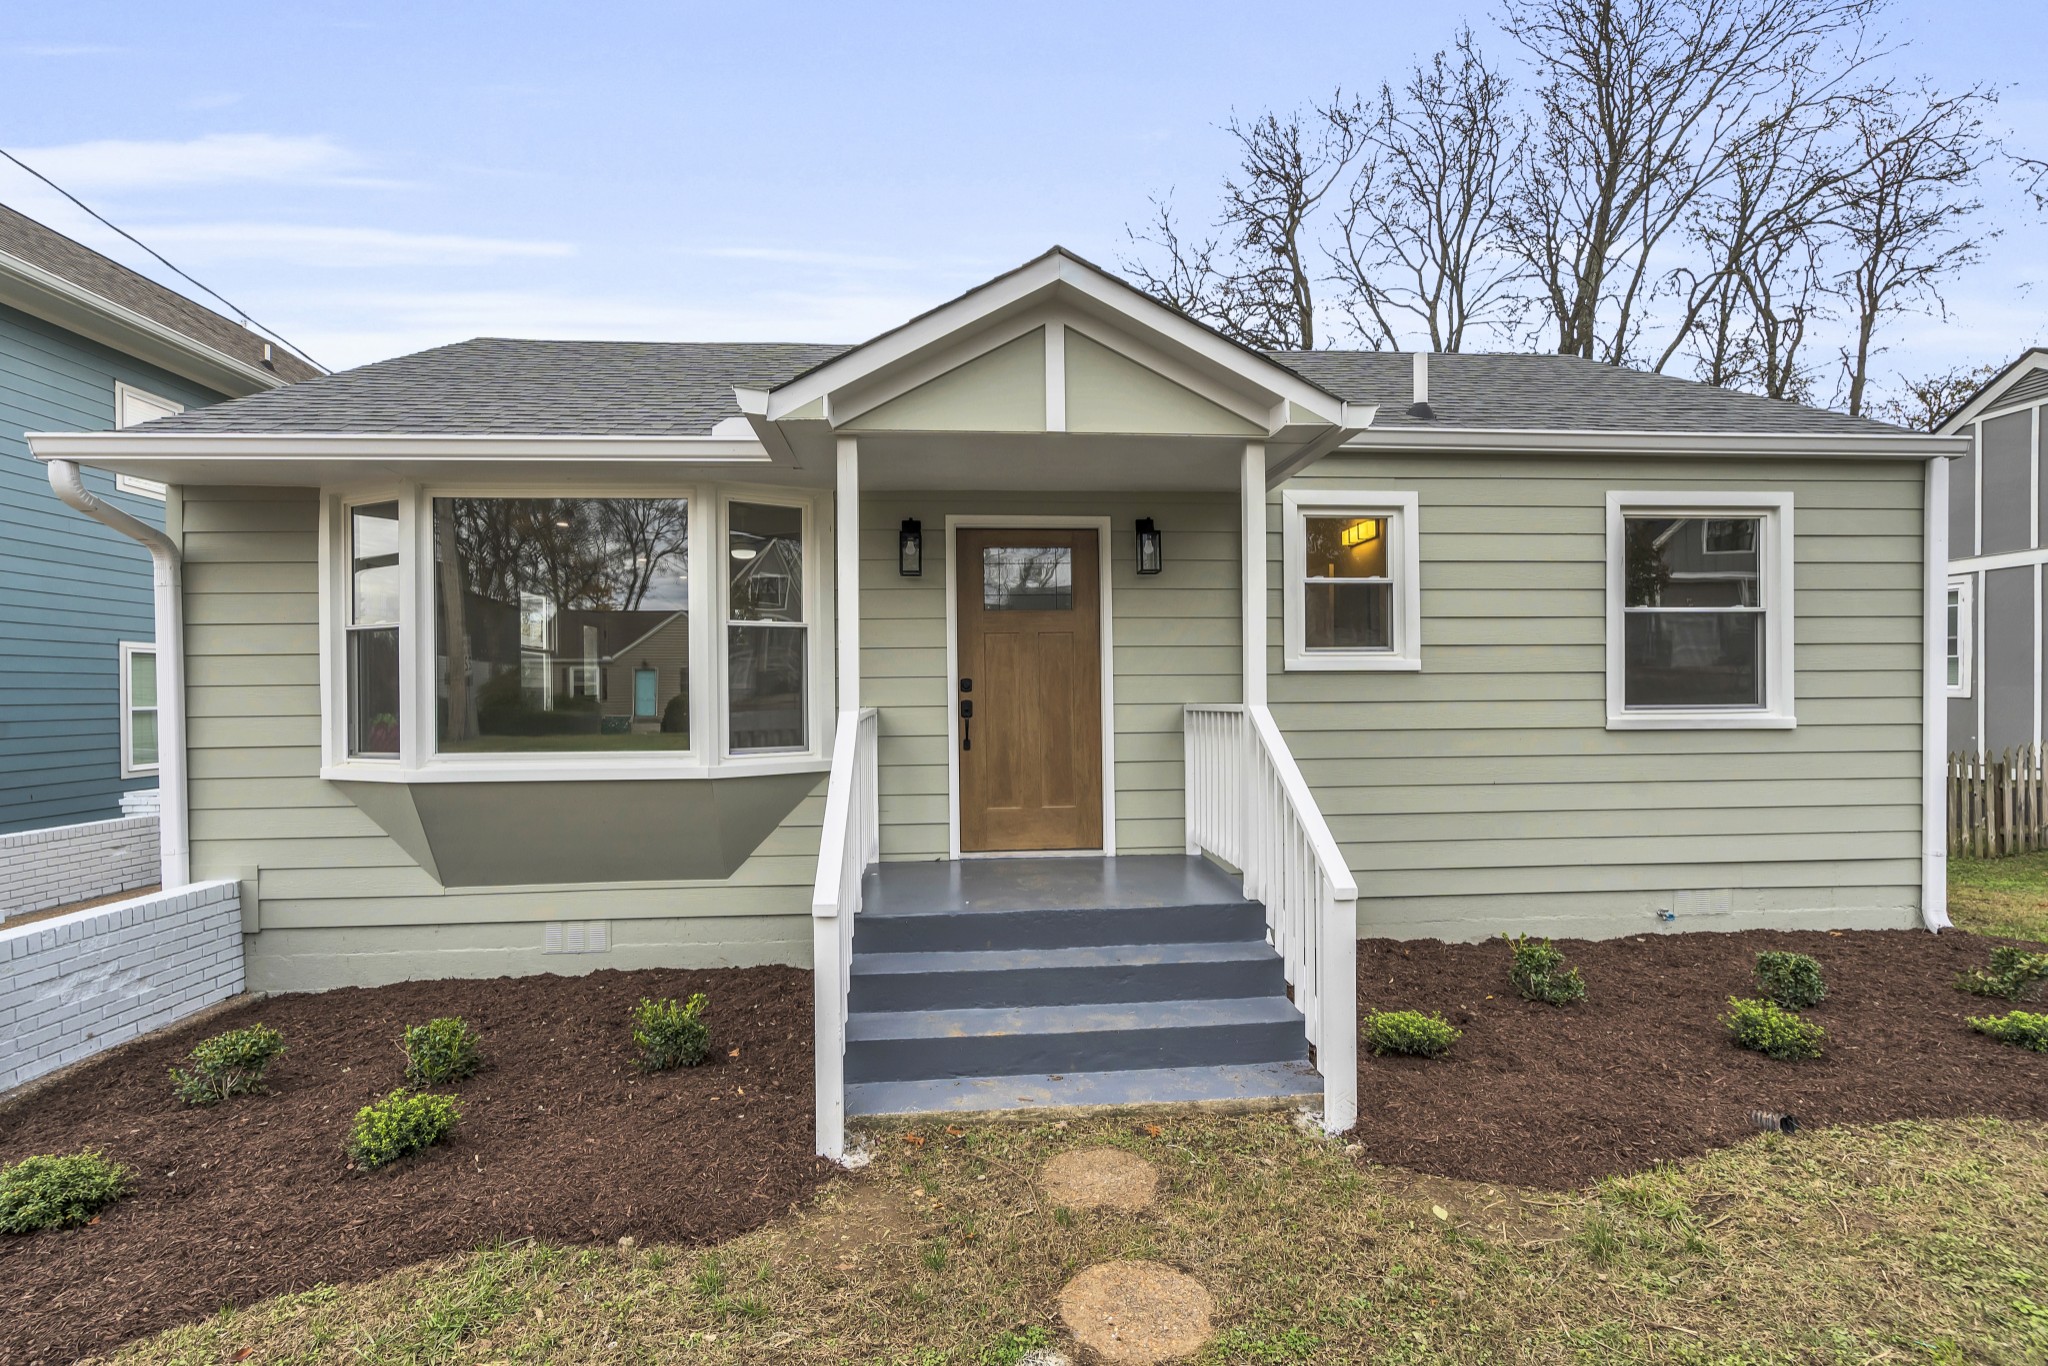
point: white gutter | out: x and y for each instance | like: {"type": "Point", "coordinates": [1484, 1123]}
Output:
{"type": "Point", "coordinates": [1934, 704]}
{"type": "Point", "coordinates": [175, 827]}
{"type": "Point", "coordinates": [1510, 442]}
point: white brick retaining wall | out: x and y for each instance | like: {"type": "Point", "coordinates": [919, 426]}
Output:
{"type": "Point", "coordinates": [83, 982]}
{"type": "Point", "coordinates": [66, 863]}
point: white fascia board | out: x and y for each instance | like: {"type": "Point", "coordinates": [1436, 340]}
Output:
{"type": "Point", "coordinates": [49, 296]}
{"type": "Point", "coordinates": [1986, 399]}
{"type": "Point", "coordinates": [1506, 441]}
{"type": "Point", "coordinates": [109, 448]}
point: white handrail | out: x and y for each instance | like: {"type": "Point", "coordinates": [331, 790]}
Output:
{"type": "Point", "coordinates": [850, 841]}
{"type": "Point", "coordinates": [1248, 805]}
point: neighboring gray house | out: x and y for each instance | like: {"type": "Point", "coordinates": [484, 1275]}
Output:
{"type": "Point", "coordinates": [1074, 604]}
{"type": "Point", "coordinates": [1998, 541]}
{"type": "Point", "coordinates": [86, 344]}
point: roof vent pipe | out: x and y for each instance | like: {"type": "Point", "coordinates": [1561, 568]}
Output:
{"type": "Point", "coordinates": [1420, 407]}
{"type": "Point", "coordinates": [173, 828]}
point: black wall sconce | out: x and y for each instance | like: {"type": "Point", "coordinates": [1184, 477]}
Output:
{"type": "Point", "coordinates": [1151, 555]}
{"type": "Point", "coordinates": [910, 549]}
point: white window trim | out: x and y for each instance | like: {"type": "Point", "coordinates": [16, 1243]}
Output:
{"type": "Point", "coordinates": [1775, 594]}
{"type": "Point", "coordinates": [129, 769]}
{"type": "Point", "coordinates": [133, 406]}
{"type": "Point", "coordinates": [419, 763]}
{"type": "Point", "coordinates": [1965, 590]}
{"type": "Point", "coordinates": [1404, 561]}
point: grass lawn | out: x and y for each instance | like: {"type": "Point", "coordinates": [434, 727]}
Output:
{"type": "Point", "coordinates": [2003, 896]}
{"type": "Point", "coordinates": [1908, 1242]}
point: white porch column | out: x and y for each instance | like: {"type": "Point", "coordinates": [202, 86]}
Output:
{"type": "Point", "coordinates": [846, 576]}
{"type": "Point", "coordinates": [1252, 523]}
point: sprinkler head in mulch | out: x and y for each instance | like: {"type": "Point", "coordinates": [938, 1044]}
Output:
{"type": "Point", "coordinates": [1771, 1122]}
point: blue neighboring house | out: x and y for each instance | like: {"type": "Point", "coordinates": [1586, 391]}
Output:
{"type": "Point", "coordinates": [86, 345]}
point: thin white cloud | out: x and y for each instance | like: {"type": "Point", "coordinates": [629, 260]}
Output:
{"type": "Point", "coordinates": [309, 245]}
{"type": "Point", "coordinates": [215, 159]}
{"type": "Point", "coordinates": [356, 328]}
{"type": "Point", "coordinates": [65, 49]}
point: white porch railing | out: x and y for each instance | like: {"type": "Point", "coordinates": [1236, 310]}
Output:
{"type": "Point", "coordinates": [850, 842]}
{"type": "Point", "coordinates": [1248, 805]}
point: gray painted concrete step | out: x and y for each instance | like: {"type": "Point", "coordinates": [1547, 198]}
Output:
{"type": "Point", "coordinates": [988, 931]}
{"type": "Point", "coordinates": [1091, 974]}
{"type": "Point", "coordinates": [1259, 1083]}
{"type": "Point", "coordinates": [1126, 882]}
{"type": "Point", "coordinates": [1120, 1036]}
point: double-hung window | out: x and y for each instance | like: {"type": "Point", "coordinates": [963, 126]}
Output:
{"type": "Point", "coordinates": [1352, 588]}
{"type": "Point", "coordinates": [1699, 610]}
{"type": "Point", "coordinates": [767, 642]}
{"type": "Point", "coordinates": [138, 709]}
{"type": "Point", "coordinates": [372, 651]}
{"type": "Point", "coordinates": [1960, 634]}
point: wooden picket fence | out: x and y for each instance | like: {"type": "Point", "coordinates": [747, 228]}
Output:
{"type": "Point", "coordinates": [1997, 803]}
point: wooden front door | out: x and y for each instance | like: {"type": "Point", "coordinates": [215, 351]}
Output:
{"type": "Point", "coordinates": [1029, 690]}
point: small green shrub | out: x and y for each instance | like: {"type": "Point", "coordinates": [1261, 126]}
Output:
{"type": "Point", "coordinates": [1409, 1032]}
{"type": "Point", "coordinates": [59, 1192]}
{"type": "Point", "coordinates": [1539, 974]}
{"type": "Point", "coordinates": [1790, 979]}
{"type": "Point", "coordinates": [1772, 1030]}
{"type": "Point", "coordinates": [2020, 1028]}
{"type": "Point", "coordinates": [2012, 971]}
{"type": "Point", "coordinates": [1013, 1345]}
{"type": "Point", "coordinates": [441, 1052]}
{"type": "Point", "coordinates": [399, 1125]}
{"type": "Point", "coordinates": [230, 1064]}
{"type": "Point", "coordinates": [670, 1033]}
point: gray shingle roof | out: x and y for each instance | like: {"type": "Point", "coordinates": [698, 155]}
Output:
{"type": "Point", "coordinates": [506, 386]}
{"type": "Point", "coordinates": [1557, 393]}
{"type": "Point", "coordinates": [496, 385]}
{"type": "Point", "coordinates": [23, 237]}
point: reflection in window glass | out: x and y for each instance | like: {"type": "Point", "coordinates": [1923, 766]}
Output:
{"type": "Point", "coordinates": [1347, 594]}
{"type": "Point", "coordinates": [373, 632]}
{"type": "Point", "coordinates": [1694, 615]}
{"type": "Point", "coordinates": [766, 642]}
{"type": "Point", "coordinates": [549, 612]}
{"type": "Point", "coordinates": [1027, 578]}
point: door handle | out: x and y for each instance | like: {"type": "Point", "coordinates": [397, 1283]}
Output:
{"type": "Point", "coordinates": [966, 722]}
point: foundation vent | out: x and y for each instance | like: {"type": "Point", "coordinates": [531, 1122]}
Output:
{"type": "Point", "coordinates": [576, 936]}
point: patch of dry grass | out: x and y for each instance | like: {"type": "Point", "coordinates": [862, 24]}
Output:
{"type": "Point", "coordinates": [1902, 1242]}
{"type": "Point", "coordinates": [2001, 896]}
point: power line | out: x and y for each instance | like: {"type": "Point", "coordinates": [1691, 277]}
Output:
{"type": "Point", "coordinates": [232, 307]}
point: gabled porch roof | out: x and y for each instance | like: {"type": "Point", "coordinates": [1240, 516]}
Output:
{"type": "Point", "coordinates": [1061, 362]}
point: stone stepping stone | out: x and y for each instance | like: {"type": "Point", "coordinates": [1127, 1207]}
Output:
{"type": "Point", "coordinates": [1136, 1312]}
{"type": "Point", "coordinates": [1100, 1178]}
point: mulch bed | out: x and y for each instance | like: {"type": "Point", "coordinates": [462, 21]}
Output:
{"type": "Point", "coordinates": [1643, 1071]}
{"type": "Point", "coordinates": [562, 1139]}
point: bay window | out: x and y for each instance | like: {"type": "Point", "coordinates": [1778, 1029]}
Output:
{"type": "Point", "coordinates": [533, 633]}
{"type": "Point", "coordinates": [1699, 625]}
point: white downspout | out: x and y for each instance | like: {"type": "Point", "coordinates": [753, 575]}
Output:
{"type": "Point", "coordinates": [1934, 702]}
{"type": "Point", "coordinates": [174, 829]}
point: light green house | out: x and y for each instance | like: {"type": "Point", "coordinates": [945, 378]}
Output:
{"type": "Point", "coordinates": [939, 663]}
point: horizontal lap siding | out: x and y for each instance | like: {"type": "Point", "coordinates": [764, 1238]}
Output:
{"type": "Point", "coordinates": [1485, 792]}
{"type": "Point", "coordinates": [1175, 638]}
{"type": "Point", "coordinates": [340, 900]}
{"type": "Point", "coordinates": [70, 589]}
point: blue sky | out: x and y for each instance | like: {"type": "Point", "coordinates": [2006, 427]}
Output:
{"type": "Point", "coordinates": [419, 173]}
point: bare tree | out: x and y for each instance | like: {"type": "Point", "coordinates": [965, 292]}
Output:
{"type": "Point", "coordinates": [2033, 176]}
{"type": "Point", "coordinates": [1754, 284]}
{"type": "Point", "coordinates": [1905, 212]}
{"type": "Point", "coordinates": [644, 536]}
{"type": "Point", "coordinates": [1419, 246]}
{"type": "Point", "coordinates": [1641, 105]}
{"type": "Point", "coordinates": [1256, 280]}
{"type": "Point", "coordinates": [1924, 404]}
